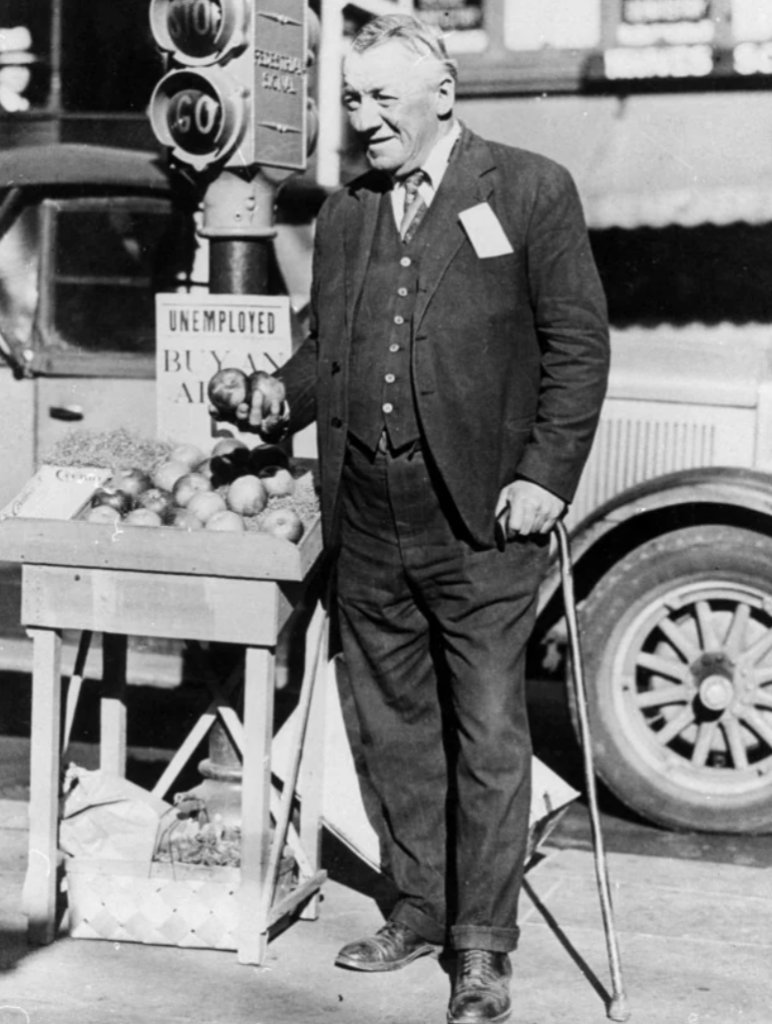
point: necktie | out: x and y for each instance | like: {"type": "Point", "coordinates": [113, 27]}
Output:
{"type": "Point", "coordinates": [415, 206]}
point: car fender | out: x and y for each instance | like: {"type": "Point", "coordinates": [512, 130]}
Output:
{"type": "Point", "coordinates": [720, 494]}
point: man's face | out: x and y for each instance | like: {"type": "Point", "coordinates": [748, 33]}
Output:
{"type": "Point", "coordinates": [398, 102]}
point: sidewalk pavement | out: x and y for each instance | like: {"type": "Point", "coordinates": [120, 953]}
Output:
{"type": "Point", "coordinates": [695, 939]}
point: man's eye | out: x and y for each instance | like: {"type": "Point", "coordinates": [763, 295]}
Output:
{"type": "Point", "coordinates": [351, 102]}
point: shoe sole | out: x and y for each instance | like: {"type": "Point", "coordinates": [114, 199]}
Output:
{"type": "Point", "coordinates": [477, 1020]}
{"type": "Point", "coordinates": [359, 965]}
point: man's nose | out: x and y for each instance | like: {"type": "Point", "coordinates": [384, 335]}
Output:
{"type": "Point", "coordinates": [366, 118]}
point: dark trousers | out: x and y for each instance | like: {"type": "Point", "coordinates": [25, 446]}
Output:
{"type": "Point", "coordinates": [434, 635]}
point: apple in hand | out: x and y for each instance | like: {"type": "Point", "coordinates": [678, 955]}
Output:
{"type": "Point", "coordinates": [283, 523]}
{"type": "Point", "coordinates": [227, 390]}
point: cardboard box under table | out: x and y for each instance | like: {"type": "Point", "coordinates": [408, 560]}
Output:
{"type": "Point", "coordinates": [134, 581]}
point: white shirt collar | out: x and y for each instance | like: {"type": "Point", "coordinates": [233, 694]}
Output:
{"type": "Point", "coordinates": [435, 166]}
{"type": "Point", "coordinates": [437, 161]}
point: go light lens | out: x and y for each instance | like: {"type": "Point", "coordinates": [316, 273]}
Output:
{"type": "Point", "coordinates": [194, 118]}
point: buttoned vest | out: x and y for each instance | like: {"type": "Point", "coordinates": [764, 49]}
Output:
{"type": "Point", "coordinates": [380, 384]}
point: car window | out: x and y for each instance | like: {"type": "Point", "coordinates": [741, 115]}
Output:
{"type": "Point", "coordinates": [104, 261]}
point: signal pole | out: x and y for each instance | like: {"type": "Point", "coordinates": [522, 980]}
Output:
{"type": "Point", "coordinates": [234, 102]}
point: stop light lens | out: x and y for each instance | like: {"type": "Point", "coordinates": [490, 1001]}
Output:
{"type": "Point", "coordinates": [195, 26]}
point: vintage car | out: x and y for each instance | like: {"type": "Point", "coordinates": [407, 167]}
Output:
{"type": "Point", "coordinates": [88, 236]}
{"type": "Point", "coordinates": [671, 528]}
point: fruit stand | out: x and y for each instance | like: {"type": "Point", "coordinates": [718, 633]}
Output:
{"type": "Point", "coordinates": [122, 580]}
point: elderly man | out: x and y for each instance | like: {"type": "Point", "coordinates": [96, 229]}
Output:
{"type": "Point", "coordinates": [456, 367]}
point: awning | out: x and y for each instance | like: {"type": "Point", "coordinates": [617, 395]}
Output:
{"type": "Point", "coordinates": [685, 159]}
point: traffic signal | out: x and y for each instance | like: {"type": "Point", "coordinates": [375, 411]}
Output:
{"type": "Point", "coordinates": [235, 94]}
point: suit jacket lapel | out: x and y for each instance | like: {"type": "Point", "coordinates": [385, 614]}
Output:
{"type": "Point", "coordinates": [465, 183]}
{"type": "Point", "coordinates": [359, 234]}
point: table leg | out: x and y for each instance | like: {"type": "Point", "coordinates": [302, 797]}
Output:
{"type": "Point", "coordinates": [311, 778]}
{"type": "Point", "coordinates": [255, 803]}
{"type": "Point", "coordinates": [112, 745]}
{"type": "Point", "coordinates": [40, 886]}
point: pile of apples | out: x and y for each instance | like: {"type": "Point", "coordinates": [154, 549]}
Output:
{"type": "Point", "coordinates": [229, 490]}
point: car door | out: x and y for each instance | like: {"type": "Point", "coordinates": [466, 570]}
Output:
{"type": "Point", "coordinates": [102, 259]}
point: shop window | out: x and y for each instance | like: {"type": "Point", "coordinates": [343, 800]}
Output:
{"type": "Point", "coordinates": [707, 274]}
{"type": "Point", "coordinates": [552, 24]}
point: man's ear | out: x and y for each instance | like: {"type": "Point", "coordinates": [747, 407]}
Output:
{"type": "Point", "coordinates": [446, 96]}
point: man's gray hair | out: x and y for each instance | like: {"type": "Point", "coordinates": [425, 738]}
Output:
{"type": "Point", "coordinates": [423, 39]}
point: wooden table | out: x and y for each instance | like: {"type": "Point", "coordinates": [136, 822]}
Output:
{"type": "Point", "coordinates": [122, 581]}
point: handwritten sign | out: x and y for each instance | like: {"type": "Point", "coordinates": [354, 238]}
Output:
{"type": "Point", "coordinates": [196, 336]}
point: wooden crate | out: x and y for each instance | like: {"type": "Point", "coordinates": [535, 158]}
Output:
{"type": "Point", "coordinates": [186, 905]}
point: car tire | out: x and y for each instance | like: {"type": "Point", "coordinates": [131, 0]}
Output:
{"type": "Point", "coordinates": [677, 651]}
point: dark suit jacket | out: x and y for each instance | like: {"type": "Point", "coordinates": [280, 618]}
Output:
{"type": "Point", "coordinates": [510, 353]}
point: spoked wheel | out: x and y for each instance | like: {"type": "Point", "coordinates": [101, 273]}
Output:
{"type": "Point", "coordinates": [677, 643]}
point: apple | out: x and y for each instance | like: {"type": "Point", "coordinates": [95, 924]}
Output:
{"type": "Point", "coordinates": [278, 481]}
{"type": "Point", "coordinates": [168, 473]}
{"type": "Point", "coordinates": [131, 481]}
{"type": "Point", "coordinates": [226, 467]}
{"type": "Point", "coordinates": [265, 455]}
{"type": "Point", "coordinates": [118, 500]}
{"type": "Point", "coordinates": [189, 454]}
{"type": "Point", "coordinates": [185, 520]}
{"type": "Point", "coordinates": [228, 389]}
{"type": "Point", "coordinates": [188, 485]}
{"type": "Point", "coordinates": [205, 504]}
{"type": "Point", "coordinates": [283, 523]}
{"type": "Point", "coordinates": [226, 445]}
{"type": "Point", "coordinates": [226, 522]}
{"type": "Point", "coordinates": [247, 496]}
{"type": "Point", "coordinates": [103, 514]}
{"type": "Point", "coordinates": [143, 517]}
{"type": "Point", "coordinates": [156, 500]}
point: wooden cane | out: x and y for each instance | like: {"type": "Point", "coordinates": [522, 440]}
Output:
{"type": "Point", "coordinates": [617, 1009]}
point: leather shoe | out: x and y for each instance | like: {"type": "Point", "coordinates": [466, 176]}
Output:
{"type": "Point", "coordinates": [392, 947]}
{"type": "Point", "coordinates": [481, 988]}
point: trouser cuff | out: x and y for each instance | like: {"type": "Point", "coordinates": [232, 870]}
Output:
{"type": "Point", "coordinates": [495, 940]}
{"type": "Point", "coordinates": [420, 922]}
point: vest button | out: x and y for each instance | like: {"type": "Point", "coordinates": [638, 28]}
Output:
{"type": "Point", "coordinates": [405, 261]}
{"type": "Point", "coordinates": [387, 407]}
{"type": "Point", "coordinates": [402, 292]}
{"type": "Point", "coordinates": [336, 421]}
{"type": "Point", "coordinates": [389, 378]}
{"type": "Point", "coordinates": [399, 320]}
{"type": "Point", "coordinates": [394, 347]}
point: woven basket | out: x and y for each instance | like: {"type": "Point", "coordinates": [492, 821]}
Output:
{"type": "Point", "coordinates": [157, 904]}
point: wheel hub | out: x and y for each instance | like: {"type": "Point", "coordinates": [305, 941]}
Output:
{"type": "Point", "coordinates": [713, 674]}
{"type": "Point", "coordinates": [716, 693]}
